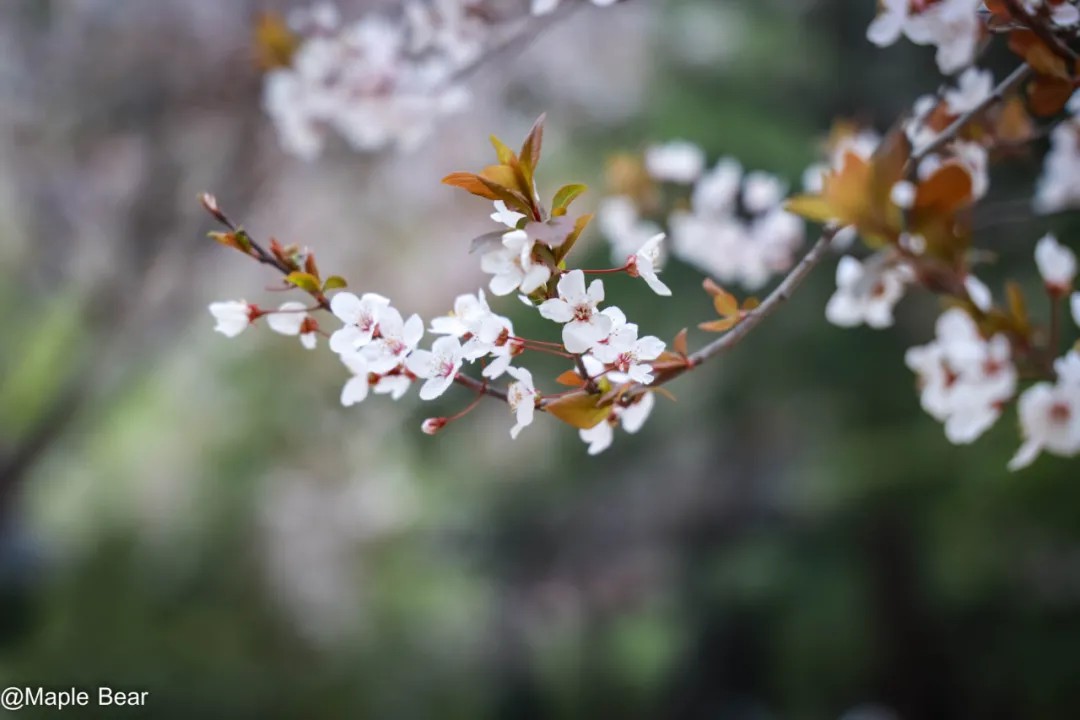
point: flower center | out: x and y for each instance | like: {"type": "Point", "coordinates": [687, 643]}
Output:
{"type": "Point", "coordinates": [444, 367]}
{"type": "Point", "coordinates": [583, 313]}
{"type": "Point", "coordinates": [1060, 413]}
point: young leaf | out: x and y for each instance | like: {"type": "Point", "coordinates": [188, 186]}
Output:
{"type": "Point", "coordinates": [566, 195]}
{"type": "Point", "coordinates": [304, 281]}
{"type": "Point", "coordinates": [679, 345]}
{"type": "Point", "coordinates": [530, 150]}
{"type": "Point", "coordinates": [275, 43]}
{"type": "Point", "coordinates": [334, 282]}
{"type": "Point", "coordinates": [470, 183]}
{"type": "Point", "coordinates": [570, 378]}
{"type": "Point", "coordinates": [726, 304]}
{"type": "Point", "coordinates": [504, 153]}
{"type": "Point", "coordinates": [579, 409]}
{"type": "Point", "coordinates": [720, 325]}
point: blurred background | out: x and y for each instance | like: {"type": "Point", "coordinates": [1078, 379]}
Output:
{"type": "Point", "coordinates": [200, 518]}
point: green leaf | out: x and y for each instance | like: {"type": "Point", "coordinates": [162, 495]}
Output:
{"type": "Point", "coordinates": [566, 195]}
{"type": "Point", "coordinates": [304, 281]}
{"type": "Point", "coordinates": [334, 282]}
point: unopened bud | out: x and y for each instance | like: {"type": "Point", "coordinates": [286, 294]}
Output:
{"type": "Point", "coordinates": [433, 425]}
{"type": "Point", "coordinates": [209, 203]}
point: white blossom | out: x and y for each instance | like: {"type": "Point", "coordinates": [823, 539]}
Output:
{"type": "Point", "coordinates": [468, 313]}
{"type": "Point", "coordinates": [644, 264]}
{"type": "Point", "coordinates": [761, 192]}
{"type": "Point", "coordinates": [505, 215]}
{"type": "Point", "coordinates": [437, 366]}
{"type": "Point", "coordinates": [521, 395]}
{"type": "Point", "coordinates": [233, 316]}
{"type": "Point", "coordinates": [974, 86]}
{"type": "Point", "coordinates": [953, 26]}
{"type": "Point", "coordinates": [397, 338]}
{"type": "Point", "coordinates": [867, 292]}
{"type": "Point", "coordinates": [1059, 185]}
{"type": "Point", "coordinates": [600, 437]}
{"type": "Point", "coordinates": [292, 319]}
{"type": "Point", "coordinates": [494, 338]}
{"type": "Point", "coordinates": [360, 316]}
{"type": "Point", "coordinates": [377, 82]}
{"type": "Point", "coordinates": [544, 7]}
{"type": "Point", "coordinates": [889, 24]}
{"type": "Point", "coordinates": [978, 293]}
{"type": "Point", "coordinates": [513, 265]}
{"type": "Point", "coordinates": [964, 379]}
{"type": "Point", "coordinates": [1050, 415]}
{"type": "Point", "coordinates": [552, 233]}
{"type": "Point", "coordinates": [628, 354]}
{"type": "Point", "coordinates": [677, 161]}
{"type": "Point", "coordinates": [1057, 264]}
{"type": "Point", "coordinates": [584, 325]}
{"type": "Point", "coordinates": [746, 247]}
{"type": "Point", "coordinates": [356, 388]}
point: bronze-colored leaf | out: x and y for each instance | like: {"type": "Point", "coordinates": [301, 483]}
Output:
{"type": "Point", "coordinates": [719, 326]}
{"type": "Point", "coordinates": [531, 148]}
{"type": "Point", "coordinates": [570, 378]}
{"type": "Point", "coordinates": [679, 344]}
{"type": "Point", "coordinates": [472, 183]}
{"type": "Point", "coordinates": [579, 409]}
{"type": "Point", "coordinates": [726, 304]}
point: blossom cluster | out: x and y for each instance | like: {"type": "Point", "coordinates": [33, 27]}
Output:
{"type": "Point", "coordinates": [378, 81]}
{"type": "Point", "coordinates": [907, 195]}
{"type": "Point", "coordinates": [909, 199]}
{"type": "Point", "coordinates": [384, 80]}
{"type": "Point", "coordinates": [735, 229]}
{"type": "Point", "coordinates": [613, 363]}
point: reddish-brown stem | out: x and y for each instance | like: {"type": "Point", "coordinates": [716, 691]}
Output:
{"type": "Point", "coordinates": [479, 387]}
{"type": "Point", "coordinates": [471, 406]}
{"type": "Point", "coordinates": [609, 271]}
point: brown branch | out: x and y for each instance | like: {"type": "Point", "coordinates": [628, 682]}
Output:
{"type": "Point", "coordinates": [1010, 83]}
{"type": "Point", "coordinates": [1017, 10]}
{"type": "Point", "coordinates": [480, 387]}
{"type": "Point", "coordinates": [780, 294]}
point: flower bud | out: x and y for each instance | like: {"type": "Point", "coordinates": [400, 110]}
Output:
{"type": "Point", "coordinates": [433, 425]}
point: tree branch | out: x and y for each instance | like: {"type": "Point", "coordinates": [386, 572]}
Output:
{"type": "Point", "coordinates": [780, 294]}
{"type": "Point", "coordinates": [1017, 76]}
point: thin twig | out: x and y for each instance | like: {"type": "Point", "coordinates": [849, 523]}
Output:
{"type": "Point", "coordinates": [527, 32]}
{"type": "Point", "coordinates": [1003, 88]}
{"type": "Point", "coordinates": [480, 387]}
{"type": "Point", "coordinates": [780, 294]}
